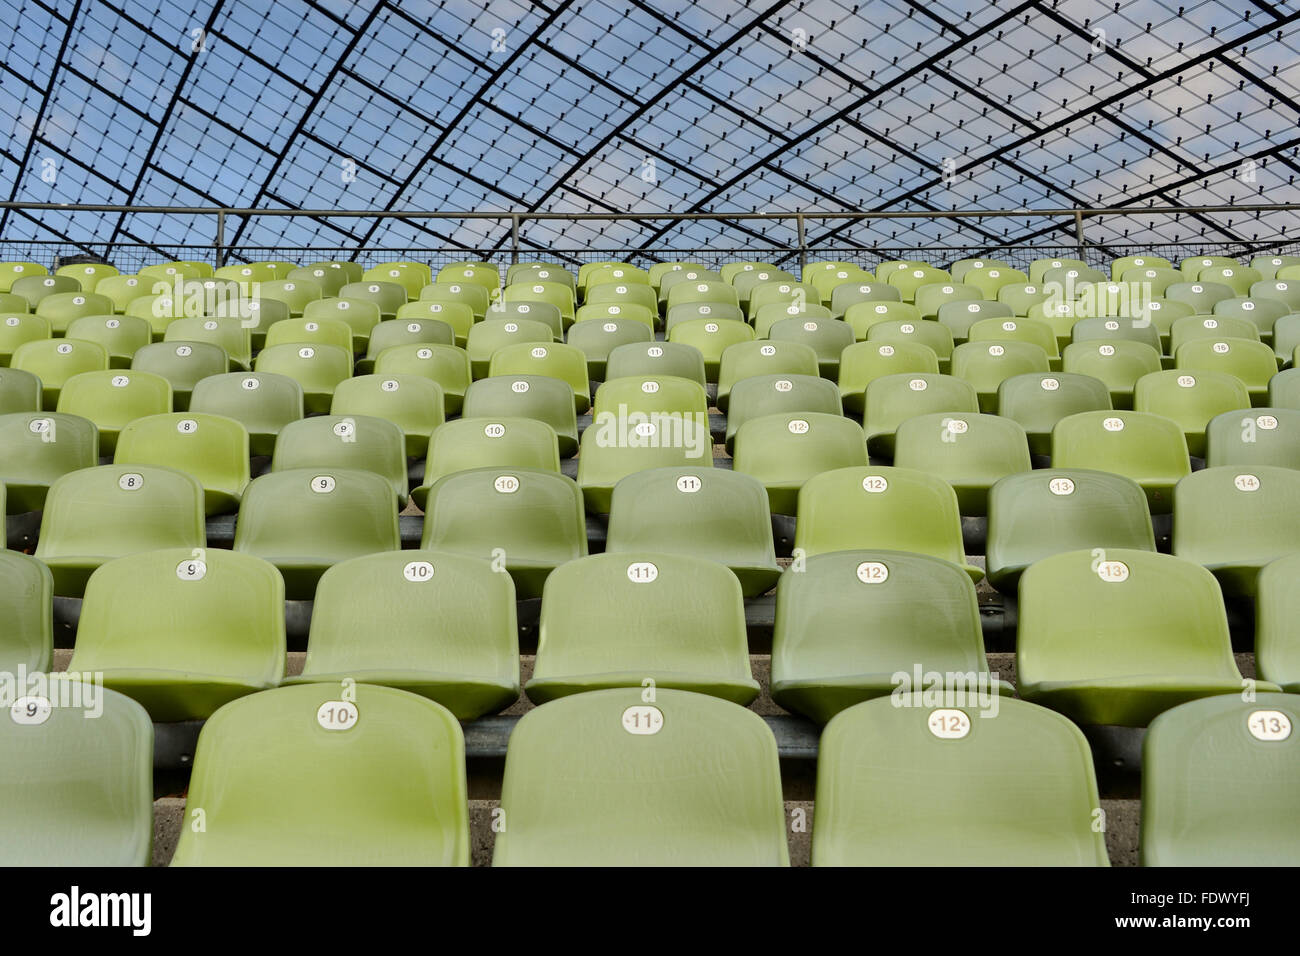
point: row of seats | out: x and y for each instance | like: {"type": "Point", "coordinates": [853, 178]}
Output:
{"type": "Point", "coordinates": [1108, 635]}
{"type": "Point", "coordinates": [363, 775]}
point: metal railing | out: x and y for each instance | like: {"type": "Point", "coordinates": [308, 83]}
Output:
{"type": "Point", "coordinates": [1078, 216]}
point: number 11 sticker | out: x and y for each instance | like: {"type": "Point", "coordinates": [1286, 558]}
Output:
{"type": "Point", "coordinates": [643, 720]}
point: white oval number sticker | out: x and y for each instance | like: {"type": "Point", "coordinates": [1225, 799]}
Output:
{"type": "Point", "coordinates": [642, 572]}
{"type": "Point", "coordinates": [337, 715]}
{"type": "Point", "coordinates": [1270, 725]}
{"type": "Point", "coordinates": [948, 724]}
{"type": "Point", "coordinates": [643, 720]}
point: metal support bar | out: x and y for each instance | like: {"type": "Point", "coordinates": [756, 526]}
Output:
{"type": "Point", "coordinates": [1078, 231]}
{"type": "Point", "coordinates": [803, 244]}
{"type": "Point", "coordinates": [514, 239]}
{"type": "Point", "coordinates": [221, 238]}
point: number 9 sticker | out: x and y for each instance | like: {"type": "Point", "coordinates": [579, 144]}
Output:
{"type": "Point", "coordinates": [30, 710]}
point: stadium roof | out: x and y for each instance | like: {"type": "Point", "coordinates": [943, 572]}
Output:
{"type": "Point", "coordinates": [603, 106]}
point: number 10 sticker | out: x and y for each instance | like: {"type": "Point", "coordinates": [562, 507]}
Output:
{"type": "Point", "coordinates": [337, 715]}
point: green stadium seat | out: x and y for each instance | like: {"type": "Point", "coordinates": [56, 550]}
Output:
{"type": "Point", "coordinates": [448, 629]}
{"type": "Point", "coordinates": [1286, 291]}
{"type": "Point", "coordinates": [1268, 265]}
{"type": "Point", "coordinates": [474, 295]}
{"type": "Point", "coordinates": [660, 270]}
{"type": "Point", "coordinates": [11, 272]}
{"type": "Point", "coordinates": [1150, 449]}
{"type": "Point", "coordinates": [1068, 278]}
{"type": "Point", "coordinates": [299, 777]}
{"type": "Point", "coordinates": [650, 395]}
{"type": "Point", "coordinates": [1283, 389]}
{"type": "Point", "coordinates": [114, 399]}
{"type": "Point", "coordinates": [412, 276]}
{"type": "Point", "coordinates": [961, 267]}
{"type": "Point", "coordinates": [355, 442]}
{"type": "Point", "coordinates": [1237, 277]}
{"type": "Point", "coordinates": [708, 513]}
{"type": "Point", "coordinates": [88, 274]}
{"type": "Point", "coordinates": [486, 337]}
{"type": "Point", "coordinates": [329, 280]}
{"type": "Point", "coordinates": [1123, 264]}
{"type": "Point", "coordinates": [1216, 328]}
{"type": "Point", "coordinates": [1250, 361]}
{"type": "Point", "coordinates": [260, 401]}
{"type": "Point", "coordinates": [761, 395]}
{"type": "Point", "coordinates": [1038, 400]}
{"type": "Point", "coordinates": [26, 596]}
{"type": "Point", "coordinates": [712, 339]}
{"type": "Point", "coordinates": [618, 273]}
{"type": "Point", "coordinates": [122, 290]}
{"type": "Point", "coordinates": [561, 296]}
{"type": "Point", "coordinates": [712, 291]}
{"type": "Point", "coordinates": [908, 280]}
{"type": "Point", "coordinates": [231, 642]}
{"type": "Point", "coordinates": [63, 308]}
{"type": "Point", "coordinates": [54, 361]}
{"type": "Point", "coordinates": [850, 623]}
{"type": "Point", "coordinates": [786, 449]}
{"type": "Point", "coordinates": [1116, 636]}
{"type": "Point", "coordinates": [1022, 296]}
{"type": "Point", "coordinates": [1109, 328]}
{"type": "Point", "coordinates": [389, 296]}
{"type": "Point", "coordinates": [80, 791]}
{"type": "Point", "coordinates": [359, 315]}
{"type": "Point", "coordinates": [247, 274]}
{"type": "Point", "coordinates": [986, 365]}
{"type": "Point", "coordinates": [904, 332]}
{"type": "Point", "coordinates": [1117, 363]}
{"type": "Point", "coordinates": [603, 312]}
{"type": "Point", "coordinates": [828, 338]}
{"type": "Point", "coordinates": [19, 391]}
{"type": "Point", "coordinates": [525, 521]}
{"type": "Point", "coordinates": [317, 368]}
{"type": "Point", "coordinates": [540, 272]}
{"type": "Point", "coordinates": [731, 270]}
{"type": "Point", "coordinates": [310, 332]}
{"type": "Point", "coordinates": [39, 448]}
{"type": "Point", "coordinates": [970, 452]}
{"type": "Point", "coordinates": [746, 359]}
{"type": "Point", "coordinates": [1041, 513]}
{"type": "Point", "coordinates": [930, 298]}
{"type": "Point", "coordinates": [619, 620]}
{"type": "Point", "coordinates": [294, 293]}
{"type": "Point", "coordinates": [1201, 296]}
{"type": "Point", "coordinates": [864, 362]}
{"type": "Point", "coordinates": [1190, 398]}
{"type": "Point", "coordinates": [1261, 313]}
{"type": "Point", "coordinates": [307, 520]}
{"type": "Point", "coordinates": [775, 312]}
{"type": "Point", "coordinates": [847, 294]}
{"type": "Point", "coordinates": [960, 316]}
{"type": "Point", "coordinates": [34, 288]}
{"type": "Point", "coordinates": [212, 448]}
{"type": "Point", "coordinates": [183, 364]}
{"type": "Point", "coordinates": [713, 311]}
{"type": "Point", "coordinates": [588, 783]}
{"type": "Point", "coordinates": [499, 442]}
{"type": "Point", "coordinates": [541, 397]}
{"type": "Point", "coordinates": [229, 334]}
{"type": "Point", "coordinates": [1221, 783]}
{"type": "Point", "coordinates": [413, 403]}
{"type": "Point", "coordinates": [881, 509]}
{"type": "Point", "coordinates": [599, 338]}
{"type": "Point", "coordinates": [1016, 330]}
{"type": "Point", "coordinates": [1154, 280]}
{"type": "Point", "coordinates": [611, 449]}
{"type": "Point", "coordinates": [94, 515]}
{"type": "Point", "coordinates": [394, 332]}
{"type": "Point", "coordinates": [919, 785]}
{"type": "Point", "coordinates": [482, 274]}
{"type": "Point", "coordinates": [747, 282]}
{"type": "Point", "coordinates": [17, 328]}
{"type": "Point", "coordinates": [557, 360]}
{"type": "Point", "coordinates": [1277, 623]}
{"type": "Point", "coordinates": [1257, 436]}
{"type": "Point", "coordinates": [893, 399]}
{"type": "Point", "coordinates": [458, 315]}
{"type": "Point", "coordinates": [257, 315]}
{"type": "Point", "coordinates": [1235, 519]}
{"type": "Point", "coordinates": [991, 279]}
{"type": "Point", "coordinates": [861, 316]}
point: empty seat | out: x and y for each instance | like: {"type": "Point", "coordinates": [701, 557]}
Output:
{"type": "Point", "coordinates": [1039, 267]}
{"type": "Point", "coordinates": [542, 312]}
{"type": "Point", "coordinates": [19, 391]}
{"type": "Point", "coordinates": [892, 399]}
{"type": "Point", "coordinates": [986, 366]}
{"type": "Point", "coordinates": [991, 278]}
{"type": "Point", "coordinates": [908, 280]}
{"type": "Point", "coordinates": [458, 315]}
{"type": "Point", "coordinates": [1282, 290]}
{"type": "Point", "coordinates": [121, 335]}
{"type": "Point", "coordinates": [1254, 436]}
{"type": "Point", "coordinates": [228, 334]}
{"type": "Point", "coordinates": [1109, 328]}
{"type": "Point", "coordinates": [709, 513]}
{"type": "Point", "coordinates": [183, 364]}
{"type": "Point", "coordinates": [1116, 636]}
{"type": "Point", "coordinates": [936, 336]}
{"type": "Point", "coordinates": [546, 399]}
{"type": "Point", "coordinates": [1283, 389]}
{"type": "Point", "coordinates": [295, 293]}
{"type": "Point", "coordinates": [605, 778]}
{"type": "Point", "coordinates": [932, 297]}
{"type": "Point", "coordinates": [650, 395]}
{"type": "Point", "coordinates": [398, 332]}
{"type": "Point", "coordinates": [1221, 783]}
{"type": "Point", "coordinates": [121, 290]}
{"type": "Point", "coordinates": [920, 785]}
{"type": "Point", "coordinates": [1191, 399]}
{"type": "Point", "coordinates": [486, 337]}
{"type": "Point", "coordinates": [317, 368]}
{"type": "Point", "coordinates": [617, 445]}
{"type": "Point", "coordinates": [389, 296]}
{"type": "Point", "coordinates": [958, 317]}
{"type": "Point", "coordinates": [1150, 449]}
{"type": "Point", "coordinates": [656, 358]}
{"type": "Point", "coordinates": [881, 509]}
{"type": "Point", "coordinates": [525, 521]}
{"type": "Point", "coordinates": [853, 625]}
{"type": "Point", "coordinates": [39, 448]}
{"type": "Point", "coordinates": [436, 624]}
{"type": "Point", "coordinates": [557, 360]}
{"type": "Point", "coordinates": [1122, 264]}
{"type": "Point", "coordinates": [1117, 363]}
{"type": "Point", "coordinates": [212, 448]}
{"type": "Point", "coordinates": [488, 443]}
{"type": "Point", "coordinates": [473, 294]}
{"type": "Point", "coordinates": [26, 596]}
{"type": "Point", "coordinates": [306, 520]}
{"type": "Point", "coordinates": [618, 620]}
{"type": "Point", "coordinates": [560, 295]}
{"type": "Point", "coordinates": [1038, 400]}
{"type": "Point", "coordinates": [413, 403]}
{"type": "Point", "coordinates": [11, 272]}
{"type": "Point", "coordinates": [360, 316]}
{"type": "Point", "coordinates": [828, 338]}
{"type": "Point", "coordinates": [412, 276]}
{"type": "Point", "coordinates": [864, 362]}
{"type": "Point", "coordinates": [777, 289]}
{"type": "Point", "coordinates": [970, 452]}
{"type": "Point", "coordinates": [745, 359]}
{"type": "Point", "coordinates": [786, 449]}
{"type": "Point", "coordinates": [1235, 519]}
{"type": "Point", "coordinates": [257, 315]}
{"type": "Point", "coordinates": [310, 332]}
{"type": "Point", "coordinates": [299, 777]}
{"type": "Point", "coordinates": [17, 328]}
{"type": "Point", "coordinates": [1040, 513]}
{"type": "Point", "coordinates": [34, 288]}
{"type": "Point", "coordinates": [231, 644]}
{"type": "Point", "coordinates": [78, 792]}
{"type": "Point", "coordinates": [54, 361]}
{"type": "Point", "coordinates": [1218, 328]}
{"type": "Point", "coordinates": [94, 515]}
{"type": "Point", "coordinates": [599, 338]}
{"type": "Point", "coordinates": [262, 402]}
{"type": "Point", "coordinates": [1022, 296]}
{"type": "Point", "coordinates": [1201, 296]}
{"type": "Point", "coordinates": [114, 399]}
{"type": "Point", "coordinates": [1252, 362]}
{"type": "Point", "coordinates": [761, 395]}
{"type": "Point", "coordinates": [64, 308]}
{"type": "Point", "coordinates": [357, 442]}
{"type": "Point", "coordinates": [862, 316]}
{"type": "Point", "coordinates": [712, 311]}
{"type": "Point", "coordinates": [1277, 622]}
{"type": "Point", "coordinates": [329, 280]}
{"type": "Point", "coordinates": [775, 312]}
{"type": "Point", "coordinates": [712, 338]}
